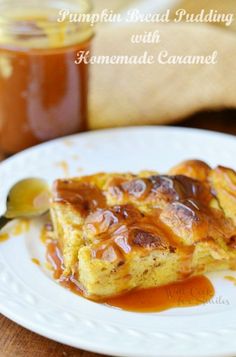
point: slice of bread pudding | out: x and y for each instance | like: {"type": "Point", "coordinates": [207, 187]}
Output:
{"type": "Point", "coordinates": [119, 232]}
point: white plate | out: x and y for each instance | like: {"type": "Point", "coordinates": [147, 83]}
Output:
{"type": "Point", "coordinates": [30, 297]}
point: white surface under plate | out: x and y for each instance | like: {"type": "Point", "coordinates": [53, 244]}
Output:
{"type": "Point", "coordinates": [31, 298]}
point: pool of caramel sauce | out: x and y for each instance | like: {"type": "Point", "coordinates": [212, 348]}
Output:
{"type": "Point", "coordinates": [190, 292]}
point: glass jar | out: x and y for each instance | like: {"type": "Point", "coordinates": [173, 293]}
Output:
{"type": "Point", "coordinates": [43, 93]}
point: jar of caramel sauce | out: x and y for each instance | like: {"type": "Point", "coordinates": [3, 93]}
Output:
{"type": "Point", "coordinates": [43, 93]}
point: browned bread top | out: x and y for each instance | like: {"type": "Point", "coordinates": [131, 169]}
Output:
{"type": "Point", "coordinates": [125, 212]}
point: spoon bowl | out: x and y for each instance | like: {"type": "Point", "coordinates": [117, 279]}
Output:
{"type": "Point", "coordinates": [26, 199]}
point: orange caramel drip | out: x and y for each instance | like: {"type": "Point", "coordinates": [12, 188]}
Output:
{"type": "Point", "coordinates": [55, 259]}
{"type": "Point", "coordinates": [128, 229]}
{"type": "Point", "coordinates": [46, 233]}
{"type": "Point", "coordinates": [82, 195]}
{"type": "Point", "coordinates": [21, 226]}
{"type": "Point", "coordinates": [64, 166]}
{"type": "Point", "coordinates": [231, 278]}
{"type": "Point", "coordinates": [35, 261]}
{"type": "Point", "coordinates": [4, 237]}
{"type": "Point", "coordinates": [191, 292]}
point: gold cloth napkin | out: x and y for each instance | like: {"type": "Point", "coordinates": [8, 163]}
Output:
{"type": "Point", "coordinates": [148, 94]}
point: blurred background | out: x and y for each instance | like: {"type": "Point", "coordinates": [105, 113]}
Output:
{"type": "Point", "coordinates": [193, 95]}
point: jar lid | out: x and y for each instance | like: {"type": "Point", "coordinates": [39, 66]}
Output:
{"type": "Point", "coordinates": [45, 23]}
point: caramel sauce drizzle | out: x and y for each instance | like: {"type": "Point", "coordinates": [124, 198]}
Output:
{"type": "Point", "coordinates": [19, 227]}
{"type": "Point", "coordinates": [55, 259]}
{"type": "Point", "coordinates": [45, 233]}
{"type": "Point", "coordinates": [194, 291]}
{"type": "Point", "coordinates": [190, 292]}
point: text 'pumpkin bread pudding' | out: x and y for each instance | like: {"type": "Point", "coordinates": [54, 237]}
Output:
{"type": "Point", "coordinates": [119, 232]}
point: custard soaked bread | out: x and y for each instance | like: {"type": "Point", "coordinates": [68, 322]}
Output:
{"type": "Point", "coordinates": [119, 232]}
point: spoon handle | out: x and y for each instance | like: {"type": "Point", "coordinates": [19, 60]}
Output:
{"type": "Point", "coordinates": [3, 221]}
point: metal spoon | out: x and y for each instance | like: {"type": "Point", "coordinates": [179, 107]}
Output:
{"type": "Point", "coordinates": [26, 199]}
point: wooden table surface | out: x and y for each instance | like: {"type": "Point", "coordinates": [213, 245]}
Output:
{"type": "Point", "coordinates": [16, 341]}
